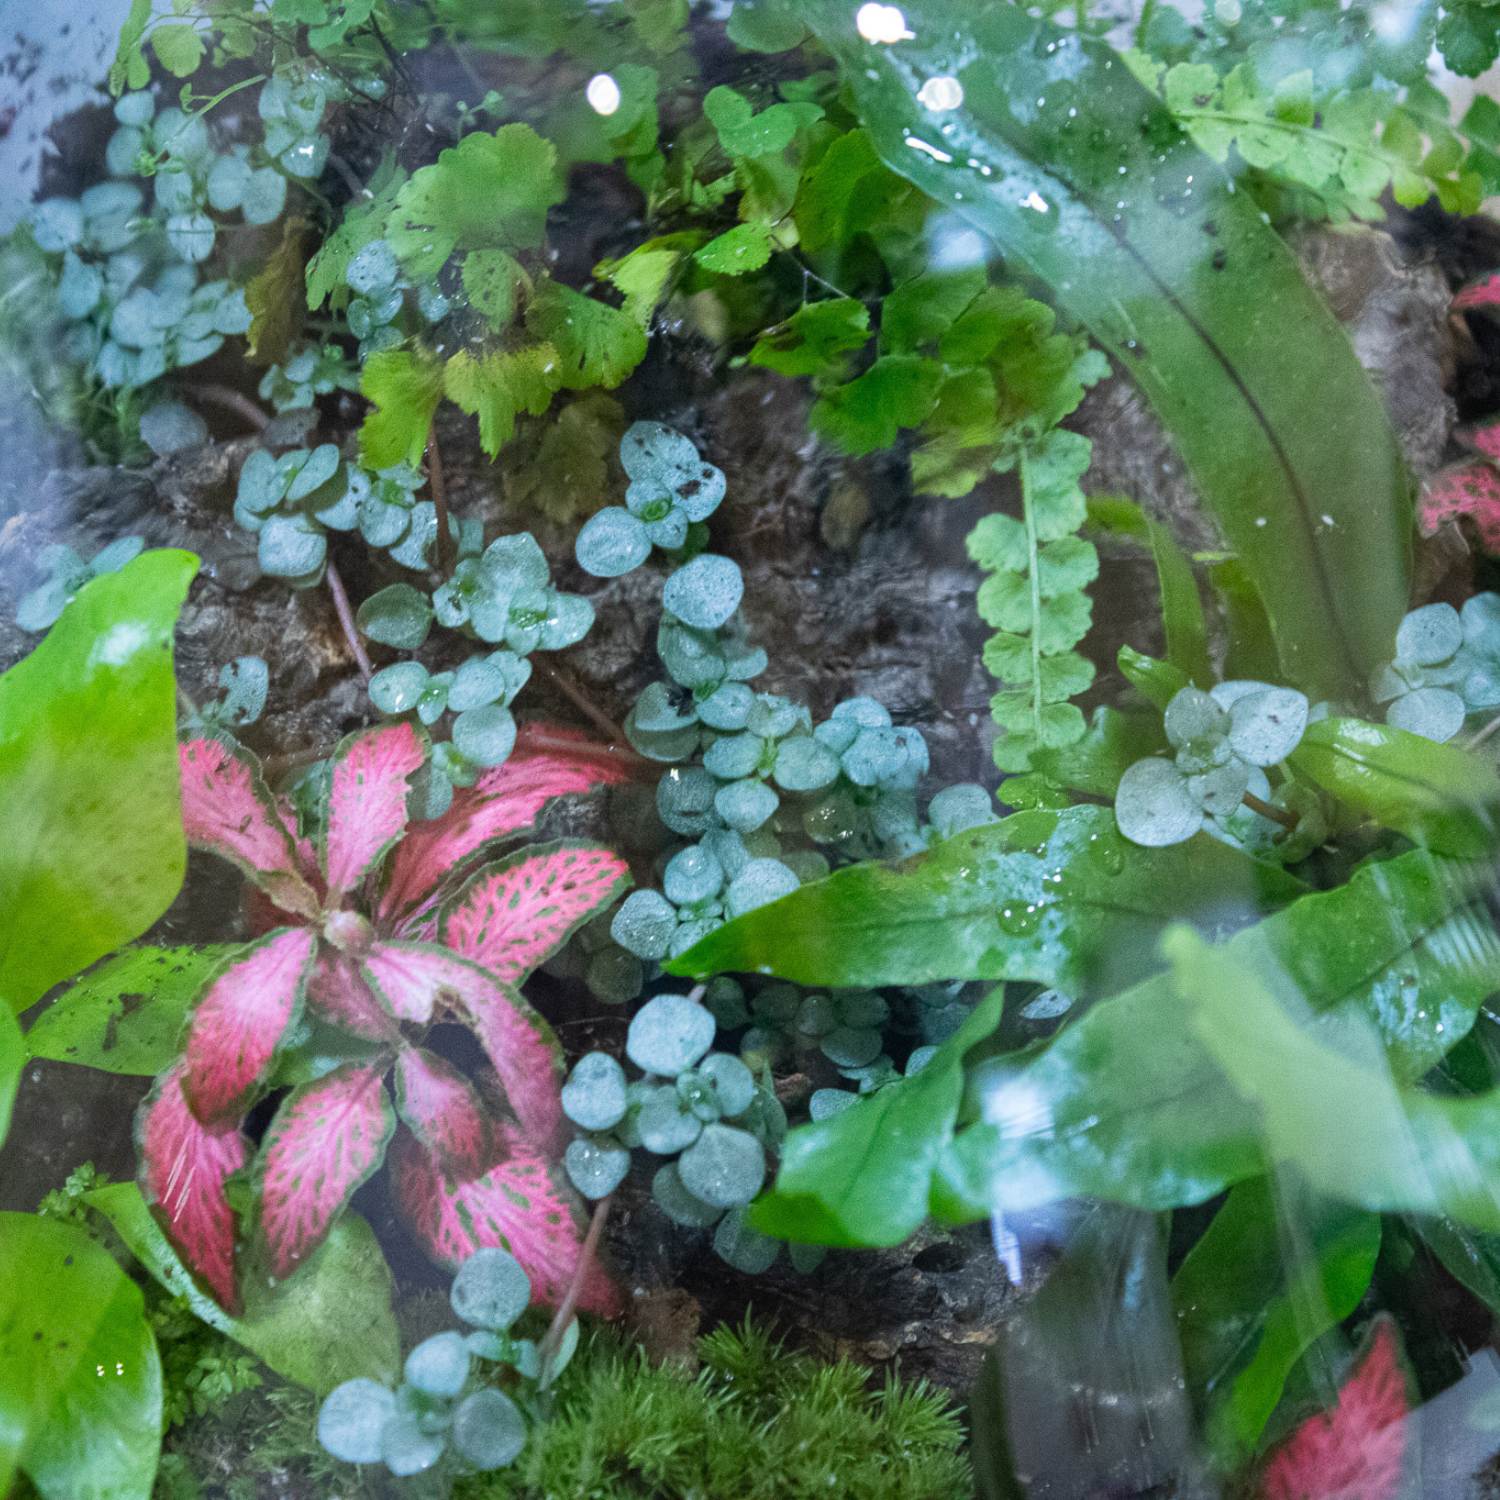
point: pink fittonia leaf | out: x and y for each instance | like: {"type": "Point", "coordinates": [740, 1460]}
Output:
{"type": "Point", "coordinates": [367, 802]}
{"type": "Point", "coordinates": [183, 1165]}
{"type": "Point", "coordinates": [442, 1110]}
{"type": "Point", "coordinates": [1469, 491]}
{"type": "Point", "coordinates": [337, 992]}
{"type": "Point", "coordinates": [1483, 439]}
{"type": "Point", "coordinates": [521, 1205]}
{"type": "Point", "coordinates": [327, 1138]}
{"type": "Point", "coordinates": [418, 980]}
{"type": "Point", "coordinates": [240, 1020]}
{"type": "Point", "coordinates": [513, 915]}
{"type": "Point", "coordinates": [227, 810]}
{"type": "Point", "coordinates": [546, 763]}
{"type": "Point", "coordinates": [1482, 293]}
{"type": "Point", "coordinates": [1355, 1451]}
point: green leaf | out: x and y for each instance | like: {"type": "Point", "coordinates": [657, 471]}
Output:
{"type": "Point", "coordinates": [1327, 1106]}
{"type": "Point", "coordinates": [1440, 796]}
{"type": "Point", "coordinates": [12, 1056]}
{"type": "Point", "coordinates": [1176, 293]}
{"type": "Point", "coordinates": [596, 344]}
{"type": "Point", "coordinates": [863, 1176]}
{"type": "Point", "coordinates": [80, 1380]}
{"type": "Point", "coordinates": [495, 387]}
{"type": "Point", "coordinates": [405, 388]}
{"type": "Point", "coordinates": [490, 279]}
{"type": "Point", "coordinates": [897, 391]}
{"type": "Point", "coordinates": [1139, 1111]}
{"type": "Point", "coordinates": [1055, 897]}
{"type": "Point", "coordinates": [179, 48]}
{"type": "Point", "coordinates": [271, 296]}
{"type": "Point", "coordinates": [743, 132]}
{"type": "Point", "coordinates": [329, 1323]}
{"type": "Point", "coordinates": [91, 845]}
{"type": "Point", "coordinates": [815, 339]}
{"type": "Point", "coordinates": [363, 224]}
{"type": "Point", "coordinates": [1156, 681]}
{"type": "Point", "coordinates": [922, 309]}
{"type": "Point", "coordinates": [645, 276]}
{"type": "Point", "coordinates": [765, 26]}
{"type": "Point", "coordinates": [126, 1016]}
{"type": "Point", "coordinates": [1275, 1269]}
{"type": "Point", "coordinates": [745, 248]}
{"type": "Point", "coordinates": [130, 68]}
{"type": "Point", "coordinates": [1113, 742]}
{"type": "Point", "coordinates": [487, 191]}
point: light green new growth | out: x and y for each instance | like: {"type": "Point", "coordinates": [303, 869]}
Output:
{"type": "Point", "coordinates": [1035, 598]}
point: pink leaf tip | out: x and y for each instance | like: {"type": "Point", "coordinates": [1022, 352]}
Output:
{"type": "Point", "coordinates": [1468, 491]}
{"type": "Point", "coordinates": [1356, 1450]}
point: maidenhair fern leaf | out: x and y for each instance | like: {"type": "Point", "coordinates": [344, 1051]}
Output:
{"type": "Point", "coordinates": [1035, 598]}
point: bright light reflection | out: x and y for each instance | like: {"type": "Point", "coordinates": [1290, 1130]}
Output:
{"type": "Point", "coordinates": [603, 94]}
{"type": "Point", "coordinates": [1035, 200]}
{"type": "Point", "coordinates": [882, 23]}
{"type": "Point", "coordinates": [941, 94]}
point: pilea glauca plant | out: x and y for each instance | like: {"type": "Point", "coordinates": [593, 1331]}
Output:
{"type": "Point", "coordinates": [372, 933]}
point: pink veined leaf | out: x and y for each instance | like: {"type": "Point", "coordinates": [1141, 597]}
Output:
{"type": "Point", "coordinates": [1355, 1451]}
{"type": "Point", "coordinates": [1483, 439]}
{"type": "Point", "coordinates": [183, 1165]}
{"type": "Point", "coordinates": [367, 802]}
{"type": "Point", "coordinates": [1469, 491]}
{"type": "Point", "coordinates": [227, 810]}
{"type": "Point", "coordinates": [1482, 293]}
{"type": "Point", "coordinates": [547, 762]}
{"type": "Point", "coordinates": [520, 1205]}
{"type": "Point", "coordinates": [420, 980]}
{"type": "Point", "coordinates": [240, 1019]}
{"type": "Point", "coordinates": [327, 1138]}
{"type": "Point", "coordinates": [440, 1107]}
{"type": "Point", "coordinates": [515, 914]}
{"type": "Point", "coordinates": [337, 993]}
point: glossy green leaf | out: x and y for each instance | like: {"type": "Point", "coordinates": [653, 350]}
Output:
{"type": "Point", "coordinates": [1055, 897]}
{"type": "Point", "coordinates": [1129, 1104]}
{"type": "Point", "coordinates": [329, 1323]}
{"type": "Point", "coordinates": [91, 845]}
{"type": "Point", "coordinates": [80, 1380]}
{"type": "Point", "coordinates": [1275, 1270]}
{"type": "Point", "coordinates": [126, 1016]}
{"type": "Point", "coordinates": [863, 1176]}
{"type": "Point", "coordinates": [1440, 796]}
{"type": "Point", "coordinates": [1156, 681]}
{"type": "Point", "coordinates": [1098, 192]}
{"type": "Point", "coordinates": [1113, 743]}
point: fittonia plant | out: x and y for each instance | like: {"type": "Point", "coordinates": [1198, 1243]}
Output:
{"type": "Point", "coordinates": [371, 932]}
{"type": "Point", "coordinates": [445, 1401]}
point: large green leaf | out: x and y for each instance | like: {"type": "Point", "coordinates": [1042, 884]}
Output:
{"type": "Point", "coordinates": [1440, 796]}
{"type": "Point", "coordinates": [863, 1176]}
{"type": "Point", "coordinates": [1274, 1271]}
{"type": "Point", "coordinates": [12, 1055]}
{"type": "Point", "coordinates": [80, 1381]}
{"type": "Point", "coordinates": [329, 1323]}
{"type": "Point", "coordinates": [91, 845]}
{"type": "Point", "coordinates": [1080, 174]}
{"type": "Point", "coordinates": [126, 1016]}
{"type": "Point", "coordinates": [1129, 1103]}
{"type": "Point", "coordinates": [1056, 897]}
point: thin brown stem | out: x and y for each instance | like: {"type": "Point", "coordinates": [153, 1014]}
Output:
{"type": "Point", "coordinates": [537, 738]}
{"type": "Point", "coordinates": [232, 400]}
{"type": "Point", "coordinates": [346, 621]}
{"type": "Point", "coordinates": [567, 685]}
{"type": "Point", "coordinates": [564, 1314]}
{"type": "Point", "coordinates": [294, 760]}
{"type": "Point", "coordinates": [439, 488]}
{"type": "Point", "coordinates": [1271, 811]}
{"type": "Point", "coordinates": [1481, 735]}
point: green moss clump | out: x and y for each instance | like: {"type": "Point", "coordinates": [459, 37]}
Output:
{"type": "Point", "coordinates": [756, 1423]}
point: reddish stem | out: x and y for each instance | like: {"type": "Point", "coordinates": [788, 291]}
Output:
{"type": "Point", "coordinates": [235, 401]}
{"type": "Point", "coordinates": [346, 620]}
{"type": "Point", "coordinates": [438, 485]}
{"type": "Point", "coordinates": [1270, 810]}
{"type": "Point", "coordinates": [564, 1314]}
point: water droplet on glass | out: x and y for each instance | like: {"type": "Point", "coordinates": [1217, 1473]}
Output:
{"type": "Point", "coordinates": [603, 94]}
{"type": "Point", "coordinates": [941, 94]}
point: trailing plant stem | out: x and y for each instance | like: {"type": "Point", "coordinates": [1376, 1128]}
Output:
{"type": "Point", "coordinates": [1036, 595]}
{"type": "Point", "coordinates": [346, 621]}
{"type": "Point", "coordinates": [564, 1313]}
{"type": "Point", "coordinates": [1270, 810]}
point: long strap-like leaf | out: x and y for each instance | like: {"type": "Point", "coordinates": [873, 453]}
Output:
{"type": "Point", "coordinates": [1076, 171]}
